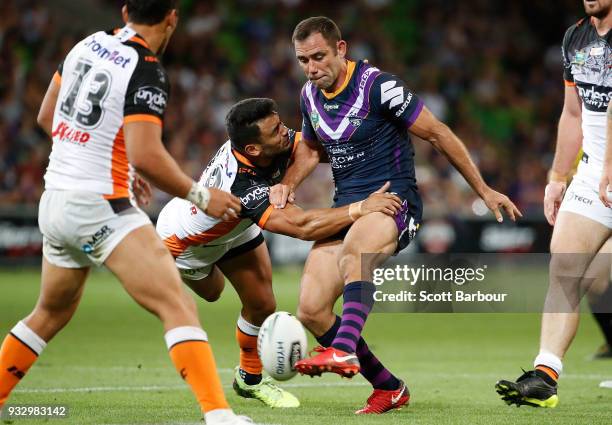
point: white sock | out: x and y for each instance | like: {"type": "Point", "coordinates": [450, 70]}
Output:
{"type": "Point", "coordinates": [550, 360]}
{"type": "Point", "coordinates": [246, 327]}
{"type": "Point", "coordinates": [184, 333]}
{"type": "Point", "coordinates": [23, 333]}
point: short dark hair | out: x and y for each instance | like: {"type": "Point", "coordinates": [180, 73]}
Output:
{"type": "Point", "coordinates": [317, 24]}
{"type": "Point", "coordinates": [241, 120]}
{"type": "Point", "coordinates": [148, 12]}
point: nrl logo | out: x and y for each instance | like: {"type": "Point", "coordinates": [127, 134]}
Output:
{"type": "Point", "coordinates": [314, 119]}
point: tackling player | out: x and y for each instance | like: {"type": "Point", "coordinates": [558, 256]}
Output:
{"type": "Point", "coordinates": [581, 223]}
{"type": "Point", "coordinates": [254, 158]}
{"type": "Point", "coordinates": [361, 117]}
{"type": "Point", "coordinates": [104, 111]}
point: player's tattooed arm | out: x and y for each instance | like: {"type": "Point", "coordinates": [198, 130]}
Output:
{"type": "Point", "coordinates": [427, 127]}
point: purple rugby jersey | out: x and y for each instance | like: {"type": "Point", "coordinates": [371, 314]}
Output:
{"type": "Point", "coordinates": [363, 128]}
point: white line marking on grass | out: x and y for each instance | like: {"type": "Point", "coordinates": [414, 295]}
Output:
{"type": "Point", "coordinates": [171, 387]}
{"type": "Point", "coordinates": [147, 388]}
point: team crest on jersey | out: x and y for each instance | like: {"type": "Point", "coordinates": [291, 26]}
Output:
{"type": "Point", "coordinates": [314, 119]}
{"type": "Point", "coordinates": [355, 122]}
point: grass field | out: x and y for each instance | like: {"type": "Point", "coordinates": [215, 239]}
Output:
{"type": "Point", "coordinates": [110, 364]}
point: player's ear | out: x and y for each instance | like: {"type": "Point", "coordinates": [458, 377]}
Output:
{"type": "Point", "coordinates": [341, 48]}
{"type": "Point", "coordinates": [172, 19]}
{"type": "Point", "coordinates": [253, 149]}
{"type": "Point", "coordinates": [124, 14]}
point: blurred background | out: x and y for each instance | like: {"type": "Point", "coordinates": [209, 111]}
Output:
{"type": "Point", "coordinates": [491, 70]}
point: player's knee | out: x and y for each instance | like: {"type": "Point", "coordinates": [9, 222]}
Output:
{"type": "Point", "coordinates": [349, 266]}
{"type": "Point", "coordinates": [310, 316]}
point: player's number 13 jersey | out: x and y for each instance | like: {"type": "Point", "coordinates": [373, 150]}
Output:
{"type": "Point", "coordinates": [106, 80]}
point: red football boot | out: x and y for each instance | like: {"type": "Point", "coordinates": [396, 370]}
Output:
{"type": "Point", "coordinates": [330, 360]}
{"type": "Point", "coordinates": [382, 401]}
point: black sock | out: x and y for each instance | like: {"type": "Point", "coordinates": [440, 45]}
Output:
{"type": "Point", "coordinates": [601, 307]}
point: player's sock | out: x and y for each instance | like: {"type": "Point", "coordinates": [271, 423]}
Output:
{"type": "Point", "coordinates": [374, 371]}
{"type": "Point", "coordinates": [19, 351]}
{"type": "Point", "coordinates": [371, 368]}
{"type": "Point", "coordinates": [600, 306]}
{"type": "Point", "coordinates": [194, 360]}
{"type": "Point", "coordinates": [548, 366]}
{"type": "Point", "coordinates": [358, 301]}
{"type": "Point", "coordinates": [604, 320]}
{"type": "Point", "coordinates": [250, 364]}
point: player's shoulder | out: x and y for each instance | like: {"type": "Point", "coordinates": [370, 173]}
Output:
{"type": "Point", "coordinates": [579, 30]}
{"type": "Point", "coordinates": [221, 171]}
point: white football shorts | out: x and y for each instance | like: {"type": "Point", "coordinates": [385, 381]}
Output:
{"type": "Point", "coordinates": [582, 198]}
{"type": "Point", "coordinates": [197, 261]}
{"type": "Point", "coordinates": [82, 229]}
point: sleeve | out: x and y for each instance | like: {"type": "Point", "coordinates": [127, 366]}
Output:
{"type": "Point", "coordinates": [391, 98]}
{"type": "Point", "coordinates": [57, 77]}
{"type": "Point", "coordinates": [255, 202]}
{"type": "Point", "coordinates": [568, 77]}
{"type": "Point", "coordinates": [308, 131]}
{"type": "Point", "coordinates": [146, 97]}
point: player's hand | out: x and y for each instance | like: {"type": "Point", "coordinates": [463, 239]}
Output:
{"type": "Point", "coordinates": [495, 201]}
{"type": "Point", "coordinates": [142, 191]}
{"type": "Point", "coordinates": [553, 195]}
{"type": "Point", "coordinates": [223, 205]}
{"type": "Point", "coordinates": [381, 201]}
{"type": "Point", "coordinates": [280, 194]}
{"type": "Point", "coordinates": [605, 184]}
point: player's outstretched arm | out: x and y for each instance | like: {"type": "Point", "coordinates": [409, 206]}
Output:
{"type": "Point", "coordinates": [429, 128]}
{"type": "Point", "coordinates": [306, 157]}
{"type": "Point", "coordinates": [148, 155]}
{"type": "Point", "coordinates": [324, 222]}
{"type": "Point", "coordinates": [47, 108]}
{"type": "Point", "coordinates": [606, 177]}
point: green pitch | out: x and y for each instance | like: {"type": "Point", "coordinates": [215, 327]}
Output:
{"type": "Point", "coordinates": [110, 364]}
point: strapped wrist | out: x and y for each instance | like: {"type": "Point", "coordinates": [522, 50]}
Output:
{"type": "Point", "coordinates": [554, 176]}
{"type": "Point", "coordinates": [355, 210]}
{"type": "Point", "coordinates": [199, 196]}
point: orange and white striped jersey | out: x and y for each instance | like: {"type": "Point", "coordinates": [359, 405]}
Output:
{"type": "Point", "coordinates": [186, 229]}
{"type": "Point", "coordinates": [106, 80]}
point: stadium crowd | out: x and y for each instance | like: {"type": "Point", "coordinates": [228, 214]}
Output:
{"type": "Point", "coordinates": [491, 70]}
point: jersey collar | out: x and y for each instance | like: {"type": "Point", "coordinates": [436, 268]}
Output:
{"type": "Point", "coordinates": [128, 34]}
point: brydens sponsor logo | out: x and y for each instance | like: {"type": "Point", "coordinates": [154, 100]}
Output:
{"type": "Point", "coordinates": [595, 96]}
{"type": "Point", "coordinates": [153, 97]}
{"type": "Point", "coordinates": [257, 194]}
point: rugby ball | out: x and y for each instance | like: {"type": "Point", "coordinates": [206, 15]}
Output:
{"type": "Point", "coordinates": [281, 342]}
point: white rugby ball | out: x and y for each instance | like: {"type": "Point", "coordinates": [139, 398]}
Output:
{"type": "Point", "coordinates": [281, 342]}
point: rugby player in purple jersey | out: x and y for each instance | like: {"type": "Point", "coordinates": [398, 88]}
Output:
{"type": "Point", "coordinates": [360, 117]}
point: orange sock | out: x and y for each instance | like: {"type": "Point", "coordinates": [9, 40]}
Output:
{"type": "Point", "coordinates": [547, 370]}
{"type": "Point", "coordinates": [194, 360]}
{"type": "Point", "coordinates": [16, 358]}
{"type": "Point", "coordinates": [249, 359]}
